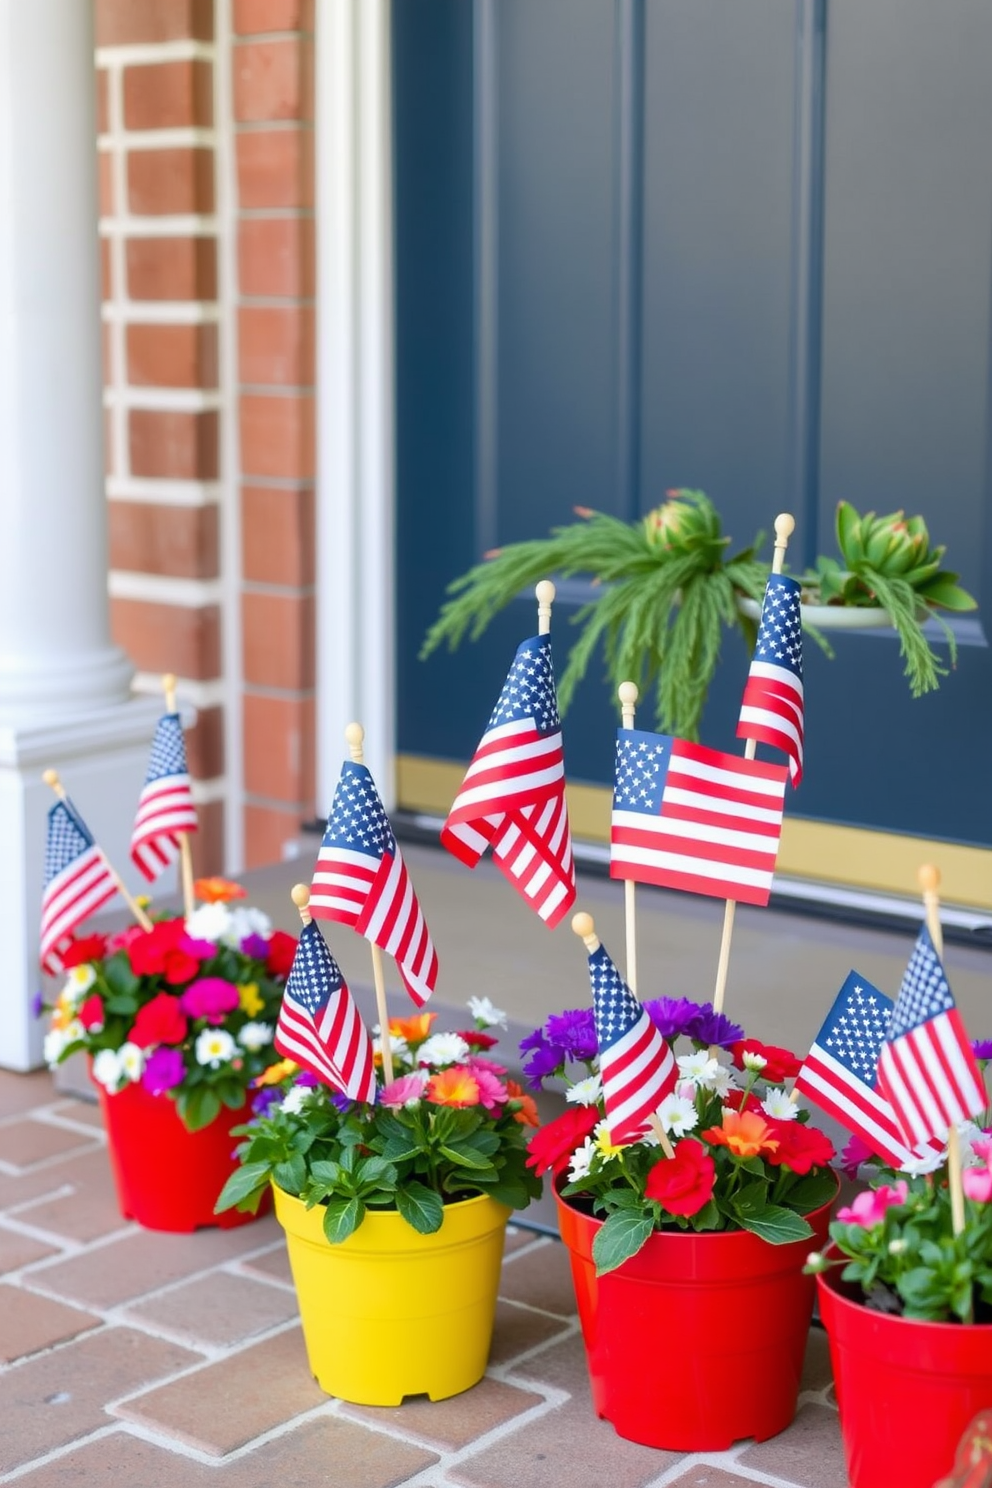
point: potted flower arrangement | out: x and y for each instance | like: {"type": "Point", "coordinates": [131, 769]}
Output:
{"type": "Point", "coordinates": [907, 1304]}
{"type": "Point", "coordinates": [701, 1251]}
{"type": "Point", "coordinates": [394, 1209]}
{"type": "Point", "coordinates": [177, 1022]}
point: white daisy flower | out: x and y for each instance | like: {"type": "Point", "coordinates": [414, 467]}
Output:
{"type": "Point", "coordinates": [443, 1048]}
{"type": "Point", "coordinates": [753, 1062]}
{"type": "Point", "coordinates": [777, 1104]}
{"type": "Point", "coordinates": [585, 1092]}
{"type": "Point", "coordinates": [59, 1039]}
{"type": "Point", "coordinates": [132, 1060]}
{"type": "Point", "coordinates": [246, 921]}
{"type": "Point", "coordinates": [209, 922]}
{"type": "Point", "coordinates": [107, 1069]}
{"type": "Point", "coordinates": [722, 1082]}
{"type": "Point", "coordinates": [214, 1046]}
{"type": "Point", "coordinates": [701, 1068]}
{"type": "Point", "coordinates": [297, 1098]}
{"type": "Point", "coordinates": [79, 980]}
{"type": "Point", "coordinates": [484, 1012]}
{"type": "Point", "coordinates": [581, 1160]}
{"type": "Point", "coordinates": [398, 1047]}
{"type": "Point", "coordinates": [677, 1115]}
{"type": "Point", "coordinates": [255, 1036]}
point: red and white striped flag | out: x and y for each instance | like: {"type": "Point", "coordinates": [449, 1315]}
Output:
{"type": "Point", "coordinates": [361, 880]}
{"type": "Point", "coordinates": [319, 1025]}
{"type": "Point", "coordinates": [636, 1063]}
{"type": "Point", "coordinates": [688, 817]}
{"type": "Point", "coordinates": [772, 709]}
{"type": "Point", "coordinates": [165, 807]}
{"type": "Point", "coordinates": [926, 1068]}
{"type": "Point", "coordinates": [78, 879]}
{"type": "Point", "coordinates": [513, 794]}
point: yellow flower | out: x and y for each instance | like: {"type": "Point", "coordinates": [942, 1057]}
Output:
{"type": "Point", "coordinates": [604, 1142]}
{"type": "Point", "coordinates": [276, 1072]}
{"type": "Point", "coordinates": [250, 999]}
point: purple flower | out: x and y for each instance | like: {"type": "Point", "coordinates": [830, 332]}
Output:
{"type": "Point", "coordinates": [304, 1077]}
{"type": "Point", "coordinates": [535, 1040]}
{"type": "Point", "coordinates": [339, 1100]}
{"type": "Point", "coordinates": [255, 947]}
{"type": "Point", "coordinates": [542, 1063]}
{"type": "Point", "coordinates": [37, 1005]}
{"type": "Point", "coordinates": [854, 1154]}
{"type": "Point", "coordinates": [708, 1027]}
{"type": "Point", "coordinates": [164, 1070]}
{"type": "Point", "coordinates": [574, 1032]}
{"type": "Point", "coordinates": [211, 998]}
{"type": "Point", "coordinates": [672, 1015]}
{"type": "Point", "coordinates": [982, 1048]}
{"type": "Point", "coordinates": [267, 1097]}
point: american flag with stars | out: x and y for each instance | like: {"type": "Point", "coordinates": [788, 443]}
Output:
{"type": "Point", "coordinates": [840, 1071]}
{"type": "Point", "coordinates": [772, 710]}
{"type": "Point", "coordinates": [636, 1063]}
{"type": "Point", "coordinates": [513, 794]}
{"type": "Point", "coordinates": [319, 1025]}
{"type": "Point", "coordinates": [78, 879]}
{"type": "Point", "coordinates": [165, 807]}
{"type": "Point", "coordinates": [926, 1067]}
{"type": "Point", "coordinates": [361, 880]}
{"type": "Point", "coordinates": [693, 818]}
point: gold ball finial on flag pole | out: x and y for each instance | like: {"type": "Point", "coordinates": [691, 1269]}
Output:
{"type": "Point", "coordinates": [354, 737]}
{"type": "Point", "coordinates": [300, 896]}
{"type": "Point", "coordinates": [545, 594]}
{"type": "Point", "coordinates": [585, 929]}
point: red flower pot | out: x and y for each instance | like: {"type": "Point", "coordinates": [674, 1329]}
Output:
{"type": "Point", "coordinates": [168, 1178]}
{"type": "Point", "coordinates": [697, 1340]}
{"type": "Point", "coordinates": [906, 1388]}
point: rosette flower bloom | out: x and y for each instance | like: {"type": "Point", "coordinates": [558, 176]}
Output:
{"type": "Point", "coordinates": [414, 1029]}
{"type": "Point", "coordinates": [746, 1134]}
{"type": "Point", "coordinates": [282, 949]}
{"type": "Point", "coordinates": [492, 1092]}
{"type": "Point", "coordinates": [977, 1181]}
{"type": "Point", "coordinates": [526, 1113]}
{"type": "Point", "coordinates": [868, 1209]}
{"type": "Point", "coordinates": [217, 890]}
{"type": "Point", "coordinates": [800, 1147]}
{"type": "Point", "coordinates": [166, 951]}
{"type": "Point", "coordinates": [164, 1070]}
{"type": "Point", "coordinates": [86, 948]}
{"type": "Point", "coordinates": [211, 998]}
{"type": "Point", "coordinates": [551, 1146]}
{"type": "Point", "coordinates": [780, 1064]}
{"type": "Point", "coordinates": [407, 1090]}
{"type": "Point", "coordinates": [456, 1086]}
{"type": "Point", "coordinates": [161, 1021]}
{"type": "Point", "coordinates": [91, 1014]}
{"type": "Point", "coordinates": [683, 1184]}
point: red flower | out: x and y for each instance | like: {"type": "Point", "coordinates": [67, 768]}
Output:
{"type": "Point", "coordinates": [683, 1184]}
{"type": "Point", "coordinates": [282, 949]}
{"type": "Point", "coordinates": [551, 1146]}
{"type": "Point", "coordinates": [780, 1064]}
{"type": "Point", "coordinates": [158, 953]}
{"type": "Point", "coordinates": [476, 1039]}
{"type": "Point", "coordinates": [86, 948]}
{"type": "Point", "coordinates": [800, 1147]}
{"type": "Point", "coordinates": [91, 1014]}
{"type": "Point", "coordinates": [161, 1021]}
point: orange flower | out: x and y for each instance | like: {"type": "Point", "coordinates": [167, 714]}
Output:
{"type": "Point", "coordinates": [527, 1115]}
{"type": "Point", "coordinates": [744, 1133]}
{"type": "Point", "coordinates": [218, 890]}
{"type": "Point", "coordinates": [414, 1029]}
{"type": "Point", "coordinates": [456, 1086]}
{"type": "Point", "coordinates": [276, 1072]}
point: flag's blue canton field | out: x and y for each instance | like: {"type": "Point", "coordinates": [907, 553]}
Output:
{"type": "Point", "coordinates": [780, 635]}
{"type": "Point", "coordinates": [615, 1007]}
{"type": "Point", "coordinates": [640, 779]}
{"type": "Point", "coordinates": [358, 819]}
{"type": "Point", "coordinates": [315, 974]}
{"type": "Point", "coordinates": [924, 992]}
{"type": "Point", "coordinates": [855, 1035]}
{"type": "Point", "coordinates": [67, 838]}
{"type": "Point", "coordinates": [529, 691]}
{"type": "Point", "coordinates": [168, 756]}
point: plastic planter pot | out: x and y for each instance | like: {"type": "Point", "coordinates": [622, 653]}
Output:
{"type": "Point", "coordinates": [698, 1340]}
{"type": "Point", "coordinates": [390, 1312]}
{"type": "Point", "coordinates": [906, 1388]}
{"type": "Point", "coordinates": [168, 1178]}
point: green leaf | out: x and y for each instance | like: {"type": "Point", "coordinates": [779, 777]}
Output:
{"type": "Point", "coordinates": [376, 1172]}
{"type": "Point", "coordinates": [244, 1188]}
{"type": "Point", "coordinates": [420, 1206]}
{"type": "Point", "coordinates": [200, 1107]}
{"type": "Point", "coordinates": [342, 1218]}
{"type": "Point", "coordinates": [813, 1191]}
{"type": "Point", "coordinates": [777, 1225]}
{"type": "Point", "coordinates": [465, 1156]}
{"type": "Point", "coordinates": [120, 1004]}
{"type": "Point", "coordinates": [621, 1236]}
{"type": "Point", "coordinates": [327, 1173]}
{"type": "Point", "coordinates": [291, 1174]}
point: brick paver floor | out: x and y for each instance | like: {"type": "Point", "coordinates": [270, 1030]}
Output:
{"type": "Point", "coordinates": [173, 1361]}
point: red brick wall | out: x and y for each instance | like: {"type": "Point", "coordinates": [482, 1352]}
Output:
{"type": "Point", "coordinates": [170, 299]}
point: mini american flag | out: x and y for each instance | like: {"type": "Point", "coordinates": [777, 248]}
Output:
{"type": "Point", "coordinates": [688, 817]}
{"type": "Point", "coordinates": [319, 1025]}
{"type": "Point", "coordinates": [78, 879]}
{"type": "Point", "coordinates": [513, 795]}
{"type": "Point", "coordinates": [772, 710]}
{"type": "Point", "coordinates": [165, 807]}
{"type": "Point", "coordinates": [636, 1063]}
{"type": "Point", "coordinates": [839, 1072]}
{"type": "Point", "coordinates": [926, 1068]}
{"type": "Point", "coordinates": [361, 880]}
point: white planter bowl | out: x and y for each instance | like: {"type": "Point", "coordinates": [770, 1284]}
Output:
{"type": "Point", "coordinates": [829, 617]}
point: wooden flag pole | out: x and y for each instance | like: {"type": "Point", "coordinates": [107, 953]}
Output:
{"type": "Point", "coordinates": [785, 525]}
{"type": "Point", "coordinates": [628, 694]}
{"type": "Point", "coordinates": [50, 777]}
{"type": "Point", "coordinates": [185, 853]}
{"type": "Point", "coordinates": [585, 929]}
{"type": "Point", "coordinates": [929, 882]}
{"type": "Point", "coordinates": [354, 737]}
{"type": "Point", "coordinates": [545, 593]}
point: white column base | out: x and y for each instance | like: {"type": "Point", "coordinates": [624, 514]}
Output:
{"type": "Point", "coordinates": [102, 758]}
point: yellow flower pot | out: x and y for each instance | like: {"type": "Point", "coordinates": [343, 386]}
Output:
{"type": "Point", "coordinates": [390, 1312]}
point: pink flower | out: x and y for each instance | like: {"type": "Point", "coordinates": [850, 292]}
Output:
{"type": "Point", "coordinates": [476, 1063]}
{"type": "Point", "coordinates": [406, 1088]}
{"type": "Point", "coordinates": [492, 1092]}
{"type": "Point", "coordinates": [982, 1147]}
{"type": "Point", "coordinates": [868, 1209]}
{"type": "Point", "coordinates": [977, 1184]}
{"type": "Point", "coordinates": [211, 998]}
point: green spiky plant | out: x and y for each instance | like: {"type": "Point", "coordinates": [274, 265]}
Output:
{"type": "Point", "coordinates": [667, 590]}
{"type": "Point", "coordinates": [888, 561]}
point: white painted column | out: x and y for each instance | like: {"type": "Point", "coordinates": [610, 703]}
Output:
{"type": "Point", "coordinates": [355, 398]}
{"type": "Point", "coordinates": [64, 687]}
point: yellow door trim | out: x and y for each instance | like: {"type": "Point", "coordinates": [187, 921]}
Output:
{"type": "Point", "coordinates": [883, 862]}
